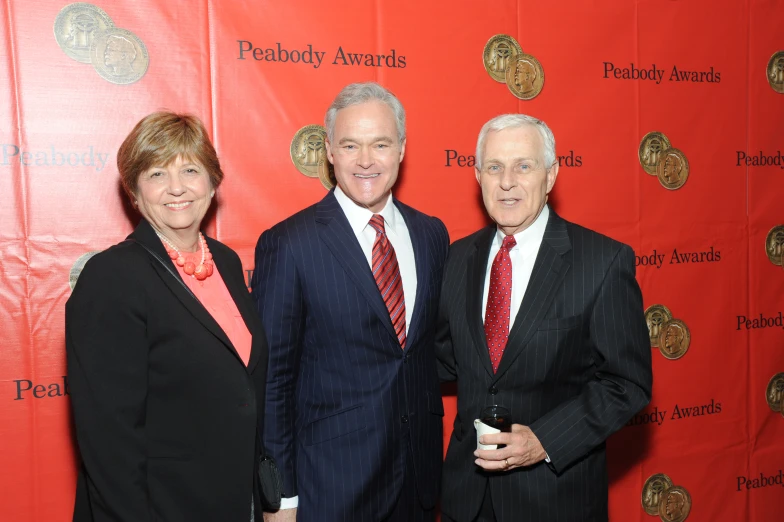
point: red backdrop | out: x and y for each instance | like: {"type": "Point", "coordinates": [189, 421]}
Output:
{"type": "Point", "coordinates": [62, 123]}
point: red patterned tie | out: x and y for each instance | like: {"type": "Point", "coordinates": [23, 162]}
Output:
{"type": "Point", "coordinates": [499, 301]}
{"type": "Point", "coordinates": [387, 276]}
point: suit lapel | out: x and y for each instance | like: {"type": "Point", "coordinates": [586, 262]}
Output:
{"type": "Point", "coordinates": [477, 269]}
{"type": "Point", "coordinates": [337, 234]}
{"type": "Point", "coordinates": [423, 272]}
{"type": "Point", "coordinates": [145, 234]}
{"type": "Point", "coordinates": [550, 267]}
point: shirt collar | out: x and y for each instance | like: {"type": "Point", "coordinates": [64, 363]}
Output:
{"type": "Point", "coordinates": [529, 238]}
{"type": "Point", "coordinates": [359, 217]}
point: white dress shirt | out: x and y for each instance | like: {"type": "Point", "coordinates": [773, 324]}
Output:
{"type": "Point", "coordinates": [522, 255]}
{"type": "Point", "coordinates": [397, 233]}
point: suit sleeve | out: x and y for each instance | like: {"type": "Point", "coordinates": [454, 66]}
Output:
{"type": "Point", "coordinates": [445, 355]}
{"type": "Point", "coordinates": [622, 378]}
{"type": "Point", "coordinates": [277, 294]}
{"type": "Point", "coordinates": [106, 349]}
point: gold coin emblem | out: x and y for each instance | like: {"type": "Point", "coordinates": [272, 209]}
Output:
{"type": "Point", "coordinates": [775, 72]}
{"type": "Point", "coordinates": [774, 245]}
{"type": "Point", "coordinates": [327, 175]}
{"type": "Point", "coordinates": [774, 393]}
{"type": "Point", "coordinates": [76, 26]}
{"type": "Point", "coordinates": [499, 52]}
{"type": "Point", "coordinates": [119, 56]}
{"type": "Point", "coordinates": [781, 405]}
{"type": "Point", "coordinates": [651, 148]}
{"type": "Point", "coordinates": [655, 316]}
{"type": "Point", "coordinates": [525, 77]}
{"type": "Point", "coordinates": [308, 152]}
{"type": "Point", "coordinates": [652, 492]}
{"type": "Point", "coordinates": [672, 169]}
{"type": "Point", "coordinates": [674, 339]}
{"type": "Point", "coordinates": [675, 504]}
{"type": "Point", "coordinates": [77, 267]}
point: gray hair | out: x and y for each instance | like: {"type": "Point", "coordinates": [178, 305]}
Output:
{"type": "Point", "coordinates": [357, 93]}
{"type": "Point", "coordinates": [514, 121]}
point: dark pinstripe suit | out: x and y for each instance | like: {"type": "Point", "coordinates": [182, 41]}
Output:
{"type": "Point", "coordinates": [344, 402]}
{"type": "Point", "coordinates": [577, 366]}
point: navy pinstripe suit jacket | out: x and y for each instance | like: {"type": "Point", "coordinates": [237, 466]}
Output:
{"type": "Point", "coordinates": [576, 367]}
{"type": "Point", "coordinates": [344, 401]}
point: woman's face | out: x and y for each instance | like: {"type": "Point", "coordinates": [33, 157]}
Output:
{"type": "Point", "coordinates": [175, 198]}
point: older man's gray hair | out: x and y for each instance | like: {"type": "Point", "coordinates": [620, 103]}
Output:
{"type": "Point", "coordinates": [357, 93]}
{"type": "Point", "coordinates": [513, 121]}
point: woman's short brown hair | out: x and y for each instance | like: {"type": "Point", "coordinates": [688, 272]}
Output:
{"type": "Point", "coordinates": [159, 139]}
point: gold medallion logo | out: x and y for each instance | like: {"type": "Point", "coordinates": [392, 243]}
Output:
{"type": "Point", "coordinates": [87, 34]}
{"type": "Point", "coordinates": [500, 51]}
{"type": "Point", "coordinates": [525, 77]}
{"type": "Point", "coordinates": [674, 339]}
{"type": "Point", "coordinates": [309, 154]}
{"type": "Point", "coordinates": [775, 72]}
{"type": "Point", "coordinates": [652, 492]}
{"type": "Point", "coordinates": [675, 504]}
{"type": "Point", "coordinates": [76, 26]}
{"type": "Point", "coordinates": [673, 169]}
{"type": "Point", "coordinates": [774, 393]}
{"type": "Point", "coordinates": [119, 56]}
{"type": "Point", "coordinates": [651, 148]}
{"type": "Point", "coordinates": [658, 158]}
{"type": "Point", "coordinates": [774, 245]}
{"type": "Point", "coordinates": [77, 267]}
{"type": "Point", "coordinates": [327, 175]}
{"type": "Point", "coordinates": [781, 405]}
{"type": "Point", "coordinates": [655, 316]}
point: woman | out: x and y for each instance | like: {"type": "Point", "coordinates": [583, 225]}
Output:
{"type": "Point", "coordinates": [167, 359]}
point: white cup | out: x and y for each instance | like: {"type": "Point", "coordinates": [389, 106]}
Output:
{"type": "Point", "coordinates": [484, 429]}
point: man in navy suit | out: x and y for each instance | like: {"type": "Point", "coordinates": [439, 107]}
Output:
{"type": "Point", "coordinates": [348, 292]}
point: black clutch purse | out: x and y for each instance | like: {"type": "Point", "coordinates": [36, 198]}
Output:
{"type": "Point", "coordinates": [270, 483]}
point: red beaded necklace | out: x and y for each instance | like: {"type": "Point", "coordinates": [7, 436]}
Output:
{"type": "Point", "coordinates": [200, 271]}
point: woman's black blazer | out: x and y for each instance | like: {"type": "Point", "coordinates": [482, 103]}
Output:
{"type": "Point", "coordinates": [166, 413]}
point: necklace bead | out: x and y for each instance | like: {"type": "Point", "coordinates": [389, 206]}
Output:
{"type": "Point", "coordinates": [200, 271]}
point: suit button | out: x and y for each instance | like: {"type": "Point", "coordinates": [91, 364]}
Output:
{"type": "Point", "coordinates": [404, 419]}
{"type": "Point", "coordinates": [493, 390]}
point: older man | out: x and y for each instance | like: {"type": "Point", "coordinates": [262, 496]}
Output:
{"type": "Point", "coordinates": [543, 317]}
{"type": "Point", "coordinates": [348, 291]}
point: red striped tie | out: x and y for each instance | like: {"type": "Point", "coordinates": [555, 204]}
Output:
{"type": "Point", "coordinates": [387, 276]}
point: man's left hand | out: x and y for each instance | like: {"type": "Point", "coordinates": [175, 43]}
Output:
{"type": "Point", "coordinates": [522, 449]}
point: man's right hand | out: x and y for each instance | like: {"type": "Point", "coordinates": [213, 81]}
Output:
{"type": "Point", "coordinates": [282, 515]}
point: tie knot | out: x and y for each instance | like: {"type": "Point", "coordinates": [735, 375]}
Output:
{"type": "Point", "coordinates": [509, 242]}
{"type": "Point", "coordinates": [377, 222]}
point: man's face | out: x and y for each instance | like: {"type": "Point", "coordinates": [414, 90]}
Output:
{"type": "Point", "coordinates": [671, 339]}
{"type": "Point", "coordinates": [673, 507]}
{"type": "Point", "coordinates": [670, 169]}
{"type": "Point", "coordinates": [112, 55]}
{"type": "Point", "coordinates": [525, 74]}
{"type": "Point", "coordinates": [513, 177]}
{"type": "Point", "coordinates": [366, 153]}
